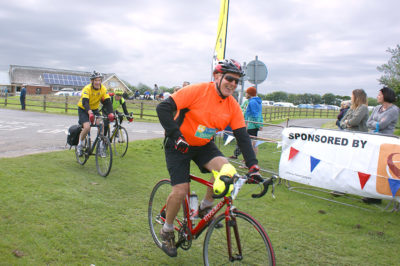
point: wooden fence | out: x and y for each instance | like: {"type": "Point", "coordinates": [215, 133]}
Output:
{"type": "Point", "coordinates": [146, 109]}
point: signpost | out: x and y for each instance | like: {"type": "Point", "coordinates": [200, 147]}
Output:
{"type": "Point", "coordinates": [256, 73]}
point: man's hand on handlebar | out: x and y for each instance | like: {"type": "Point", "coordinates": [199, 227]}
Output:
{"type": "Point", "coordinates": [254, 175]}
{"type": "Point", "coordinates": [111, 117]}
{"type": "Point", "coordinates": [91, 116]}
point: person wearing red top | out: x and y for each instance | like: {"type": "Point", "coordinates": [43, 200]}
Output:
{"type": "Point", "coordinates": [201, 110]}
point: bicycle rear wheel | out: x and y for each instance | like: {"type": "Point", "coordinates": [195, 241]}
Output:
{"type": "Point", "coordinates": [249, 241]}
{"type": "Point", "coordinates": [103, 156]}
{"type": "Point", "coordinates": [120, 142]}
{"type": "Point", "coordinates": [157, 211]}
{"type": "Point", "coordinates": [85, 155]}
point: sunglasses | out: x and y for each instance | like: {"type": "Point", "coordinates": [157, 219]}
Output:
{"type": "Point", "coordinates": [230, 79]}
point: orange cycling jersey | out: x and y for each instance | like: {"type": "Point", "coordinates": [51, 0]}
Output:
{"type": "Point", "coordinates": [207, 112]}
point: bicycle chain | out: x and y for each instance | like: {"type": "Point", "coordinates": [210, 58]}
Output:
{"type": "Point", "coordinates": [185, 237]}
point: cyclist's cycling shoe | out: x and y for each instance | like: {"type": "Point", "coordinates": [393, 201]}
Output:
{"type": "Point", "coordinates": [168, 243]}
{"type": "Point", "coordinates": [204, 212]}
{"type": "Point", "coordinates": [80, 150]}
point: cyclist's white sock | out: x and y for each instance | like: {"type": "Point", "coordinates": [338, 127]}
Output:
{"type": "Point", "coordinates": [205, 203]}
{"type": "Point", "coordinates": [80, 142]}
{"type": "Point", "coordinates": [168, 227]}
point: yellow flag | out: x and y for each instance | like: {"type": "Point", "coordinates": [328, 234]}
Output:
{"type": "Point", "coordinates": [219, 50]}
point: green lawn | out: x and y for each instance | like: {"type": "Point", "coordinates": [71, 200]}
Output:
{"type": "Point", "coordinates": [57, 212]}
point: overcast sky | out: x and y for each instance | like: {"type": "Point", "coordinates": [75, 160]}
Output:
{"type": "Point", "coordinates": [313, 46]}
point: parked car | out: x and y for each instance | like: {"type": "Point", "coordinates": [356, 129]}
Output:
{"type": "Point", "coordinates": [267, 103]}
{"type": "Point", "coordinates": [65, 93]}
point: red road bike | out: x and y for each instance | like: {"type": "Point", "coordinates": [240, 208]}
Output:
{"type": "Point", "coordinates": [241, 240]}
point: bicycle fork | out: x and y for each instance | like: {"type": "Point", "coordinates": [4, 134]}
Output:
{"type": "Point", "coordinates": [230, 222]}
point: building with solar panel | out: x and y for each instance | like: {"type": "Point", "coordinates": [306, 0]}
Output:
{"type": "Point", "coordinates": [40, 80]}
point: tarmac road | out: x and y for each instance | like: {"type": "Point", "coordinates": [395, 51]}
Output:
{"type": "Point", "coordinates": [24, 132]}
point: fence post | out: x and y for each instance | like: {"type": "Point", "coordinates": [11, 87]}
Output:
{"type": "Point", "coordinates": [44, 102]}
{"type": "Point", "coordinates": [141, 110]}
{"type": "Point", "coordinates": [270, 113]}
{"type": "Point", "coordinates": [66, 103]}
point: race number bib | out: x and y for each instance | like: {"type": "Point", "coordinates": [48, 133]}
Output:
{"type": "Point", "coordinates": [205, 132]}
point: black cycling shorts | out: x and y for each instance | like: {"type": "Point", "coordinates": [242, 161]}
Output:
{"type": "Point", "coordinates": [178, 164]}
{"type": "Point", "coordinates": [253, 132]}
{"type": "Point", "coordinates": [83, 115]}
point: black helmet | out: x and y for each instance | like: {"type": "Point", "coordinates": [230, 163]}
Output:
{"type": "Point", "coordinates": [229, 66]}
{"type": "Point", "coordinates": [95, 75]}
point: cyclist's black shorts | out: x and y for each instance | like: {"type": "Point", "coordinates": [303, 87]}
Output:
{"type": "Point", "coordinates": [253, 132]}
{"type": "Point", "coordinates": [178, 164]}
{"type": "Point", "coordinates": [83, 115]}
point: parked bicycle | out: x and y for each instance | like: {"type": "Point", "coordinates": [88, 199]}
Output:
{"type": "Point", "coordinates": [103, 149]}
{"type": "Point", "coordinates": [119, 135]}
{"type": "Point", "coordinates": [242, 240]}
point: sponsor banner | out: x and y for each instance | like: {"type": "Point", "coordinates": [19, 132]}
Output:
{"type": "Point", "coordinates": [355, 163]}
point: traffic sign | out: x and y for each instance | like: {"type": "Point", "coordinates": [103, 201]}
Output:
{"type": "Point", "coordinates": [256, 71]}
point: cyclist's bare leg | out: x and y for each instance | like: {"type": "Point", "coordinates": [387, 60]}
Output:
{"type": "Point", "coordinates": [215, 164]}
{"type": "Point", "coordinates": [85, 131]}
{"type": "Point", "coordinates": [174, 201]}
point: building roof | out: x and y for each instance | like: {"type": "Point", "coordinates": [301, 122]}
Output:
{"type": "Point", "coordinates": [42, 76]}
{"type": "Point", "coordinates": [4, 78]}
{"type": "Point", "coordinates": [34, 75]}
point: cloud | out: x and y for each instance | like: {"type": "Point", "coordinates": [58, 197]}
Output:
{"type": "Point", "coordinates": [308, 46]}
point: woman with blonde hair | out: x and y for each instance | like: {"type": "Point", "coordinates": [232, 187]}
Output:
{"type": "Point", "coordinates": [356, 117]}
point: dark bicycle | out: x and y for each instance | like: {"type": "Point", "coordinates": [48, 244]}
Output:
{"type": "Point", "coordinates": [119, 135]}
{"type": "Point", "coordinates": [102, 146]}
{"type": "Point", "coordinates": [242, 240]}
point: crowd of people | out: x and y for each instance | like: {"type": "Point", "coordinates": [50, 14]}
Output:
{"type": "Point", "coordinates": [354, 116]}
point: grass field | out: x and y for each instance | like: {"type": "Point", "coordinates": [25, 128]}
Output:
{"type": "Point", "coordinates": [56, 212]}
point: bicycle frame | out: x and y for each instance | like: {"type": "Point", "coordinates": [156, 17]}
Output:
{"type": "Point", "coordinates": [203, 223]}
{"type": "Point", "coordinates": [117, 125]}
{"type": "Point", "coordinates": [99, 132]}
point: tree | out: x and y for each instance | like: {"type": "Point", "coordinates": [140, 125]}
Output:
{"type": "Point", "coordinates": [391, 72]}
{"type": "Point", "coordinates": [372, 101]}
{"type": "Point", "coordinates": [329, 98]}
{"type": "Point", "coordinates": [143, 87]}
{"type": "Point", "coordinates": [316, 98]}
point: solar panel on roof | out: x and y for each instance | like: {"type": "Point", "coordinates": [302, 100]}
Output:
{"type": "Point", "coordinates": [63, 79]}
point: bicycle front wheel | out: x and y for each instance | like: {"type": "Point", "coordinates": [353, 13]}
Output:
{"type": "Point", "coordinates": [157, 209]}
{"type": "Point", "coordinates": [120, 142]}
{"type": "Point", "coordinates": [250, 244]}
{"type": "Point", "coordinates": [103, 156]}
{"type": "Point", "coordinates": [85, 155]}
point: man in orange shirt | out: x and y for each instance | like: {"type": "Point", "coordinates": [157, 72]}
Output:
{"type": "Point", "coordinates": [203, 109]}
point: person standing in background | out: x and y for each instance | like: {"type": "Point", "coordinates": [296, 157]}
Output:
{"type": "Point", "coordinates": [356, 117]}
{"type": "Point", "coordinates": [253, 114]}
{"type": "Point", "coordinates": [384, 117]}
{"type": "Point", "coordinates": [155, 92]}
{"type": "Point", "coordinates": [252, 110]}
{"type": "Point", "coordinates": [383, 121]}
{"type": "Point", "coordinates": [344, 107]}
{"type": "Point", "coordinates": [22, 97]}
